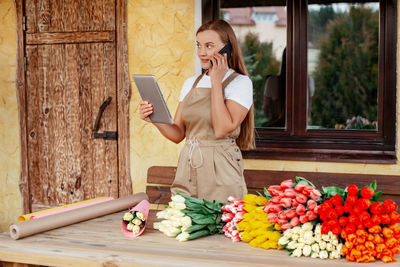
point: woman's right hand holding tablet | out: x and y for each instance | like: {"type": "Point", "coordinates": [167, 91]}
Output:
{"type": "Point", "coordinates": [145, 110]}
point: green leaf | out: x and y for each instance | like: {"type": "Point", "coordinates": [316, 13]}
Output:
{"type": "Point", "coordinates": [195, 227]}
{"type": "Point", "coordinates": [198, 234]}
{"type": "Point", "coordinates": [301, 180]}
{"type": "Point", "coordinates": [267, 195]}
{"type": "Point", "coordinates": [376, 196]}
{"type": "Point", "coordinates": [330, 191]}
{"type": "Point", "coordinates": [373, 185]}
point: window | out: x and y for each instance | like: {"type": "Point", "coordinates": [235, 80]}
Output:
{"type": "Point", "coordinates": [325, 84]}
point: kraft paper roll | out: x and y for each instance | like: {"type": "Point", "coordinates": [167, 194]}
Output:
{"type": "Point", "coordinates": [73, 207]}
{"type": "Point", "coordinates": [31, 227]}
{"type": "Point", "coordinates": [29, 216]}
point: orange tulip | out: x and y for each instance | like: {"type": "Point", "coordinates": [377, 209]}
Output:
{"type": "Point", "coordinates": [387, 232]}
{"type": "Point", "coordinates": [380, 248]}
{"type": "Point", "coordinates": [387, 259]}
{"type": "Point", "coordinates": [395, 227]}
{"type": "Point", "coordinates": [378, 239]}
{"type": "Point", "coordinates": [370, 237]}
{"type": "Point", "coordinates": [391, 242]}
{"type": "Point", "coordinates": [361, 233]}
{"type": "Point", "coordinates": [352, 238]}
{"type": "Point", "coordinates": [355, 253]}
{"type": "Point", "coordinates": [369, 245]}
{"type": "Point", "coordinates": [376, 229]}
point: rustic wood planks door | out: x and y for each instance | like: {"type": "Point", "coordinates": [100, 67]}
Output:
{"type": "Point", "coordinates": [70, 70]}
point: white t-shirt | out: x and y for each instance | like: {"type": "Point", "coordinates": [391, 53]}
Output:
{"type": "Point", "coordinates": [239, 89]}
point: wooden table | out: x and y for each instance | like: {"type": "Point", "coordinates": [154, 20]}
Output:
{"type": "Point", "coordinates": [99, 242]}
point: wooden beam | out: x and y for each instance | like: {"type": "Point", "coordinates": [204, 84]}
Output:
{"type": "Point", "coordinates": [69, 37]}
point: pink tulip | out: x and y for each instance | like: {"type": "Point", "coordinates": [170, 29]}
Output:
{"type": "Point", "coordinates": [282, 215]}
{"type": "Point", "coordinates": [316, 209]}
{"type": "Point", "coordinates": [226, 217]}
{"type": "Point", "coordinates": [272, 218]}
{"type": "Point", "coordinates": [311, 215]}
{"type": "Point", "coordinates": [311, 204]}
{"type": "Point", "coordinates": [290, 193]}
{"type": "Point", "coordinates": [301, 209]}
{"type": "Point", "coordinates": [272, 208]}
{"type": "Point", "coordinates": [275, 200]}
{"type": "Point", "coordinates": [299, 187]}
{"type": "Point", "coordinates": [295, 221]}
{"type": "Point", "coordinates": [303, 218]}
{"type": "Point", "coordinates": [286, 226]}
{"type": "Point", "coordinates": [286, 202]}
{"type": "Point", "coordinates": [301, 198]}
{"type": "Point", "coordinates": [290, 213]}
{"type": "Point", "coordinates": [295, 203]}
{"type": "Point", "coordinates": [315, 194]}
{"type": "Point", "coordinates": [282, 221]}
{"type": "Point", "coordinates": [286, 184]}
{"type": "Point", "coordinates": [274, 190]}
{"type": "Point", "coordinates": [232, 199]}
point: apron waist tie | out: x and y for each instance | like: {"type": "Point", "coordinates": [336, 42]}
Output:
{"type": "Point", "coordinates": [194, 143]}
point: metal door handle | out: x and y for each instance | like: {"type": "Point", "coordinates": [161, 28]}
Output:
{"type": "Point", "coordinates": [106, 135]}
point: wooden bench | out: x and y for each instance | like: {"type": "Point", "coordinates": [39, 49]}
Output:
{"type": "Point", "coordinates": [160, 178]}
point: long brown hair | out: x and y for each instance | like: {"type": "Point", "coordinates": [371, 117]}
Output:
{"type": "Point", "coordinates": [246, 137]}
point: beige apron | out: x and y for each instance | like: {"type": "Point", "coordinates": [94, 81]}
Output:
{"type": "Point", "coordinates": [208, 167]}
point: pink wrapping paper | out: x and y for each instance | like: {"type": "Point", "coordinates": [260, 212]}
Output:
{"type": "Point", "coordinates": [71, 208]}
{"type": "Point", "coordinates": [143, 207]}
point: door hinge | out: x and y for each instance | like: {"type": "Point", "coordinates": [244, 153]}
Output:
{"type": "Point", "coordinates": [25, 63]}
{"type": "Point", "coordinates": [24, 23]}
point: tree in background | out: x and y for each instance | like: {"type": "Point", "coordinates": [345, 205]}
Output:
{"type": "Point", "coordinates": [260, 62]}
{"type": "Point", "coordinates": [346, 78]}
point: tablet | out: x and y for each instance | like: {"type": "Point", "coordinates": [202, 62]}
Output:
{"type": "Point", "coordinates": [150, 91]}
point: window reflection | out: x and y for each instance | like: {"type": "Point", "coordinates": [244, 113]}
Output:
{"type": "Point", "coordinates": [343, 66]}
{"type": "Point", "coordinates": [261, 32]}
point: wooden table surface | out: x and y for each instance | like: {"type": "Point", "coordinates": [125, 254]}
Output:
{"type": "Point", "coordinates": [99, 242]}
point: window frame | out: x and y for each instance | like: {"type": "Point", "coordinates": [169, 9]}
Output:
{"type": "Point", "coordinates": [296, 142]}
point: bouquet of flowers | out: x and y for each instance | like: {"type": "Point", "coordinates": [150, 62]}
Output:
{"type": "Point", "coordinates": [369, 228]}
{"type": "Point", "coordinates": [255, 228]}
{"type": "Point", "coordinates": [134, 221]}
{"type": "Point", "coordinates": [188, 218]}
{"type": "Point", "coordinates": [291, 203]}
{"type": "Point", "coordinates": [233, 214]}
{"type": "Point", "coordinates": [307, 240]}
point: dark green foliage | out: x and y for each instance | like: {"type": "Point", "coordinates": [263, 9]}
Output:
{"type": "Point", "coordinates": [346, 78]}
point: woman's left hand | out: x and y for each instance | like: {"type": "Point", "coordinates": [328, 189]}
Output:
{"type": "Point", "coordinates": [219, 68]}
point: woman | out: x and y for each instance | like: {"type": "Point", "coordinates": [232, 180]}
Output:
{"type": "Point", "coordinates": [215, 115]}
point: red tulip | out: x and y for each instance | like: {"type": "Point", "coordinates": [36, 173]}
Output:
{"type": "Point", "coordinates": [294, 203]}
{"type": "Point", "coordinates": [376, 208]}
{"type": "Point", "coordinates": [351, 199]}
{"type": "Point", "coordinates": [394, 217]}
{"type": "Point", "coordinates": [339, 210]}
{"type": "Point", "coordinates": [282, 221]}
{"type": "Point", "coordinates": [275, 200]}
{"type": "Point", "coordinates": [352, 190]}
{"type": "Point", "coordinates": [389, 205]}
{"type": "Point", "coordinates": [281, 215]}
{"type": "Point", "coordinates": [343, 221]}
{"type": "Point", "coordinates": [290, 213]}
{"type": "Point", "coordinates": [367, 192]}
{"type": "Point", "coordinates": [315, 194]}
{"type": "Point", "coordinates": [336, 200]}
{"type": "Point", "coordinates": [385, 218]}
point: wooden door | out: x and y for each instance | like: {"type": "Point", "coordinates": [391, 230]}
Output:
{"type": "Point", "coordinates": [70, 58]}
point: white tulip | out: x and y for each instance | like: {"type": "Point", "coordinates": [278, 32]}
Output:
{"type": "Point", "coordinates": [156, 225]}
{"type": "Point", "coordinates": [283, 240]}
{"type": "Point", "coordinates": [178, 199]}
{"type": "Point", "coordinates": [292, 245]}
{"type": "Point", "coordinates": [301, 240]}
{"type": "Point", "coordinates": [128, 216]}
{"type": "Point", "coordinates": [129, 226]}
{"type": "Point", "coordinates": [162, 214]}
{"type": "Point", "coordinates": [323, 254]}
{"type": "Point", "coordinates": [318, 229]}
{"type": "Point", "coordinates": [307, 227]}
{"type": "Point", "coordinates": [325, 237]}
{"type": "Point", "coordinates": [140, 215]}
{"type": "Point", "coordinates": [339, 248]}
{"type": "Point", "coordinates": [315, 247]}
{"type": "Point", "coordinates": [185, 221]}
{"type": "Point", "coordinates": [322, 245]}
{"type": "Point", "coordinates": [296, 230]}
{"type": "Point", "coordinates": [288, 233]}
{"type": "Point", "coordinates": [135, 229]}
{"type": "Point", "coordinates": [335, 242]}
{"type": "Point", "coordinates": [295, 236]}
{"type": "Point", "coordinates": [137, 221]}
{"type": "Point", "coordinates": [300, 245]}
{"type": "Point", "coordinates": [306, 250]}
{"type": "Point", "coordinates": [297, 252]}
{"type": "Point", "coordinates": [177, 205]}
{"type": "Point", "coordinates": [183, 236]}
{"type": "Point", "coordinates": [329, 247]}
{"type": "Point", "coordinates": [314, 255]}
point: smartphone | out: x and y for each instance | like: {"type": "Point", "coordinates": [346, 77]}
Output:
{"type": "Point", "coordinates": [227, 49]}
